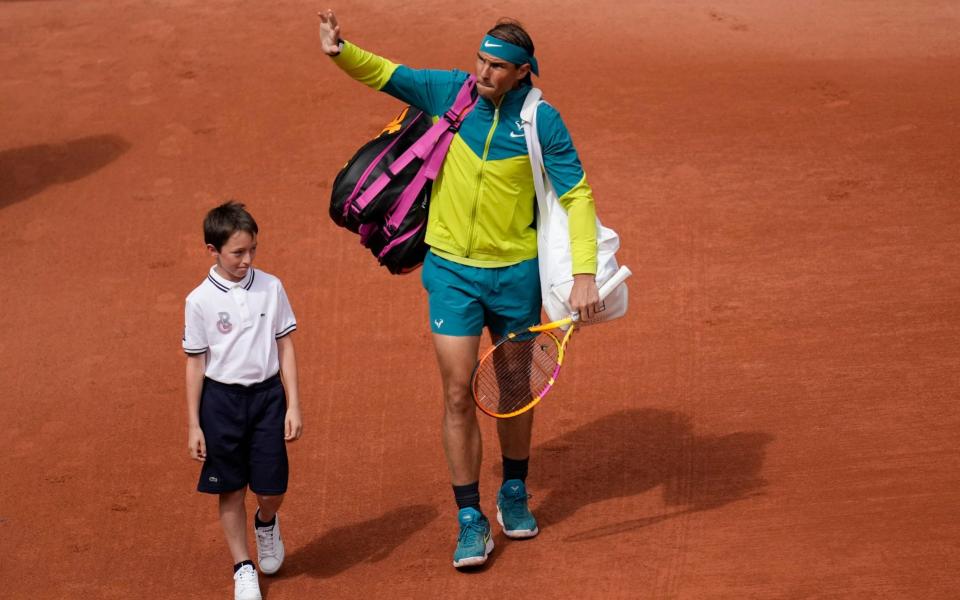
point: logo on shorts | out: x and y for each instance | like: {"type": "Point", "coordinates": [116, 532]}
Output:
{"type": "Point", "coordinates": [224, 324]}
{"type": "Point", "coordinates": [438, 323]}
{"type": "Point", "coordinates": [213, 479]}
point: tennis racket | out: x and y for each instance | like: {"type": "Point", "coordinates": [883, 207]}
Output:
{"type": "Point", "coordinates": [515, 374]}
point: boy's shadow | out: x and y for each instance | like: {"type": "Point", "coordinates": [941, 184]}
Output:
{"type": "Point", "coordinates": [373, 540]}
{"type": "Point", "coordinates": [634, 451]}
{"type": "Point", "coordinates": [29, 170]}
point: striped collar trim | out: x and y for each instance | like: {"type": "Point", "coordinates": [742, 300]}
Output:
{"type": "Point", "coordinates": [225, 285]}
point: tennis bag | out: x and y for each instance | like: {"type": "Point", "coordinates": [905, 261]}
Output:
{"type": "Point", "coordinates": [553, 236]}
{"type": "Point", "coordinates": [383, 192]}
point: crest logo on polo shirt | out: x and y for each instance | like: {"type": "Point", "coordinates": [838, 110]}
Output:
{"type": "Point", "coordinates": [224, 325]}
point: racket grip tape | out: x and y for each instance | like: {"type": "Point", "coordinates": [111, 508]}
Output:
{"type": "Point", "coordinates": [611, 284]}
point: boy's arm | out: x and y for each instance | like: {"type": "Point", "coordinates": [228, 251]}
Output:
{"type": "Point", "coordinates": [293, 424]}
{"type": "Point", "coordinates": [196, 444]}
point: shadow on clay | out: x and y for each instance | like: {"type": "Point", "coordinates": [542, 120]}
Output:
{"type": "Point", "coordinates": [631, 452]}
{"type": "Point", "coordinates": [29, 170]}
{"type": "Point", "coordinates": [369, 541]}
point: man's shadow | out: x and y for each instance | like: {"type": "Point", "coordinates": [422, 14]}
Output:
{"type": "Point", "coordinates": [370, 541]}
{"type": "Point", "coordinates": [29, 170]}
{"type": "Point", "coordinates": [622, 454]}
{"type": "Point", "coordinates": [634, 451]}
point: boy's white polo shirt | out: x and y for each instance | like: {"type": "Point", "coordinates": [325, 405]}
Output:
{"type": "Point", "coordinates": [237, 325]}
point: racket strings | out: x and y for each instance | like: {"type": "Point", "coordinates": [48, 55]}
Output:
{"type": "Point", "coordinates": [517, 372]}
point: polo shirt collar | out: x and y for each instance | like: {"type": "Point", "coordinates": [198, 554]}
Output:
{"type": "Point", "coordinates": [225, 285]}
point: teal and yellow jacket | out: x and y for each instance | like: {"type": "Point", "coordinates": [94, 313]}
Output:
{"type": "Point", "coordinates": [483, 204]}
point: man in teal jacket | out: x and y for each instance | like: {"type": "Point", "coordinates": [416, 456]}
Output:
{"type": "Point", "coordinates": [482, 270]}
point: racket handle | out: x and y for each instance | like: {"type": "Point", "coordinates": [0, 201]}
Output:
{"type": "Point", "coordinates": [611, 284]}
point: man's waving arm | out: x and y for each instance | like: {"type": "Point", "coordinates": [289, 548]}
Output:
{"type": "Point", "coordinates": [429, 90]}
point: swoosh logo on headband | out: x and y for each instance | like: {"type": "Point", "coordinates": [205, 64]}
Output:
{"type": "Point", "coordinates": [487, 44]}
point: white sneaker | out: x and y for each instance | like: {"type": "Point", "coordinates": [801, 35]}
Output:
{"type": "Point", "coordinates": [269, 547]}
{"type": "Point", "coordinates": [245, 584]}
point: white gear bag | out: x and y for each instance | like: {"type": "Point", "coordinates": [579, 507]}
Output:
{"type": "Point", "coordinates": [553, 236]}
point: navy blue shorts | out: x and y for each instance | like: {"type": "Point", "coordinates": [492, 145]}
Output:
{"type": "Point", "coordinates": [243, 429]}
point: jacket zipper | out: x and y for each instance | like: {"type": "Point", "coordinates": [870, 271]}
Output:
{"type": "Point", "coordinates": [483, 163]}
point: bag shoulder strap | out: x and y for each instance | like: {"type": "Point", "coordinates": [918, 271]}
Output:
{"type": "Point", "coordinates": [431, 147]}
{"type": "Point", "coordinates": [466, 98]}
{"type": "Point", "coordinates": [528, 118]}
{"type": "Point", "coordinates": [465, 101]}
{"type": "Point", "coordinates": [449, 123]}
{"type": "Point", "coordinates": [528, 112]}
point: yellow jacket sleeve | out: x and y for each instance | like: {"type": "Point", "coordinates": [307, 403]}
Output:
{"type": "Point", "coordinates": [366, 67]}
{"type": "Point", "coordinates": [578, 202]}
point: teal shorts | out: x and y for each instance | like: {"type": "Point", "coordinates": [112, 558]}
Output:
{"type": "Point", "coordinates": [464, 299]}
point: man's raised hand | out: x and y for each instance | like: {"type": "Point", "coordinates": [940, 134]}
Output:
{"type": "Point", "coordinates": [329, 32]}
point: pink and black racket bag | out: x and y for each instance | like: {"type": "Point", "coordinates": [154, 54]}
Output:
{"type": "Point", "coordinates": [383, 192]}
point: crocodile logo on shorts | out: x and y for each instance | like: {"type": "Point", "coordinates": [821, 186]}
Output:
{"type": "Point", "coordinates": [224, 325]}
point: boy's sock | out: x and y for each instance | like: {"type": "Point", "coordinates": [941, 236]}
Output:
{"type": "Point", "coordinates": [515, 469]}
{"type": "Point", "coordinates": [467, 495]}
{"type": "Point", "coordinates": [240, 564]}
{"type": "Point", "coordinates": [257, 522]}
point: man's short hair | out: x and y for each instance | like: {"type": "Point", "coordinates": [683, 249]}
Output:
{"type": "Point", "coordinates": [512, 32]}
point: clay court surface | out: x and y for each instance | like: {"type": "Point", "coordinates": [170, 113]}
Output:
{"type": "Point", "coordinates": [775, 418]}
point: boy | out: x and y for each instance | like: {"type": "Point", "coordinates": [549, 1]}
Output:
{"type": "Point", "coordinates": [242, 397]}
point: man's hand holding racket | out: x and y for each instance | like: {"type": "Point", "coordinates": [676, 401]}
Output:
{"type": "Point", "coordinates": [584, 296]}
{"type": "Point", "coordinates": [516, 373]}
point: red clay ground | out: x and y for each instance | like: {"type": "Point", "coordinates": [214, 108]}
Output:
{"type": "Point", "coordinates": [776, 418]}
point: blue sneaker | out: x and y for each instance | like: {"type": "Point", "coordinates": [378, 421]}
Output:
{"type": "Point", "coordinates": [474, 543]}
{"type": "Point", "coordinates": [512, 511]}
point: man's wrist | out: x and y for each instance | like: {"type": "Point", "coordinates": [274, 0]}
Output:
{"type": "Point", "coordinates": [339, 49]}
